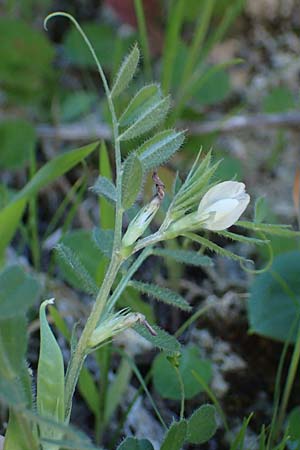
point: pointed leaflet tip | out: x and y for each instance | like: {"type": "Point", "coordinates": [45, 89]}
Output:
{"type": "Point", "coordinates": [126, 72]}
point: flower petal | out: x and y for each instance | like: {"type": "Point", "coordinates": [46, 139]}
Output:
{"type": "Point", "coordinates": [226, 189]}
{"type": "Point", "coordinates": [227, 200]}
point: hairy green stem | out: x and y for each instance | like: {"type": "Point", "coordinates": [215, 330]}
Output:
{"type": "Point", "coordinates": [78, 357]}
{"type": "Point", "coordinates": [80, 352]}
{"type": "Point", "coordinates": [126, 278]}
{"type": "Point", "coordinates": [182, 392]}
{"type": "Point", "coordinates": [119, 210]}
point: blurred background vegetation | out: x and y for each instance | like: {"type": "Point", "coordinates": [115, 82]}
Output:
{"type": "Point", "coordinates": [232, 68]}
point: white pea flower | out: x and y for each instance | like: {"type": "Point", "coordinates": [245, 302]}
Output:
{"type": "Point", "coordinates": [222, 205]}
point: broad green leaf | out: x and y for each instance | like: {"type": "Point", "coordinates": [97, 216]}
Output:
{"type": "Point", "coordinates": [163, 294]}
{"type": "Point", "coordinates": [215, 88]}
{"type": "Point", "coordinates": [165, 378]}
{"type": "Point", "coordinates": [175, 436]}
{"type": "Point", "coordinates": [162, 340]}
{"type": "Point", "coordinates": [230, 167]}
{"type": "Point", "coordinates": [274, 301]}
{"type": "Point", "coordinates": [105, 187]}
{"type": "Point", "coordinates": [103, 39]}
{"type": "Point", "coordinates": [13, 338]}
{"type": "Point", "coordinates": [184, 257]}
{"type": "Point", "coordinates": [146, 97]}
{"type": "Point", "coordinates": [11, 215]}
{"type": "Point", "coordinates": [158, 149]}
{"type": "Point", "coordinates": [293, 424]}
{"type": "Point", "coordinates": [131, 180]}
{"type": "Point", "coordinates": [202, 425]}
{"type": "Point", "coordinates": [77, 104]}
{"type": "Point", "coordinates": [131, 443]}
{"type": "Point", "coordinates": [55, 168]}
{"type": "Point", "coordinates": [126, 72]}
{"type": "Point", "coordinates": [26, 57]}
{"type": "Point", "coordinates": [104, 240]}
{"type": "Point", "coordinates": [278, 100]}
{"type": "Point", "coordinates": [50, 375]}
{"type": "Point", "coordinates": [18, 139]}
{"type": "Point", "coordinates": [81, 269]}
{"type": "Point", "coordinates": [14, 374]}
{"type": "Point", "coordinates": [151, 117]}
{"type": "Point", "coordinates": [18, 291]}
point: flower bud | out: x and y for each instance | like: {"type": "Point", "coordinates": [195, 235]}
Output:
{"type": "Point", "coordinates": [141, 221]}
{"type": "Point", "coordinates": [222, 205]}
{"type": "Point", "coordinates": [114, 324]}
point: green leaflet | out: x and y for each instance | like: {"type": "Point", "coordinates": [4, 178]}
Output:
{"type": "Point", "coordinates": [126, 72]}
{"type": "Point", "coordinates": [158, 149]}
{"type": "Point", "coordinates": [202, 425]}
{"type": "Point", "coordinates": [105, 187]}
{"type": "Point", "coordinates": [175, 436]}
{"type": "Point", "coordinates": [151, 117]}
{"type": "Point", "coordinates": [131, 180]}
{"type": "Point", "coordinates": [72, 261]}
{"type": "Point", "coordinates": [163, 294]}
{"type": "Point", "coordinates": [162, 340]}
{"type": "Point", "coordinates": [165, 377]}
{"type": "Point", "coordinates": [131, 443]}
{"type": "Point", "coordinates": [274, 302]}
{"type": "Point", "coordinates": [269, 228]}
{"type": "Point", "coordinates": [50, 376]}
{"type": "Point", "coordinates": [184, 256]}
{"type": "Point", "coordinates": [144, 99]}
{"type": "Point", "coordinates": [214, 247]}
{"type": "Point", "coordinates": [104, 240]}
{"type": "Point", "coordinates": [241, 238]}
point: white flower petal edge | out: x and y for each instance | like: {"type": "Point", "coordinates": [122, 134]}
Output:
{"type": "Point", "coordinates": [222, 205]}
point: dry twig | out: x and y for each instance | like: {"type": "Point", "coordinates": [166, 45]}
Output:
{"type": "Point", "coordinates": [83, 132]}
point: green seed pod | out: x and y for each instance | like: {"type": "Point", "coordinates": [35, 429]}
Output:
{"type": "Point", "coordinates": [50, 376]}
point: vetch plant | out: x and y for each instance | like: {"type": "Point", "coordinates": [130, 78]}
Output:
{"type": "Point", "coordinates": [198, 204]}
